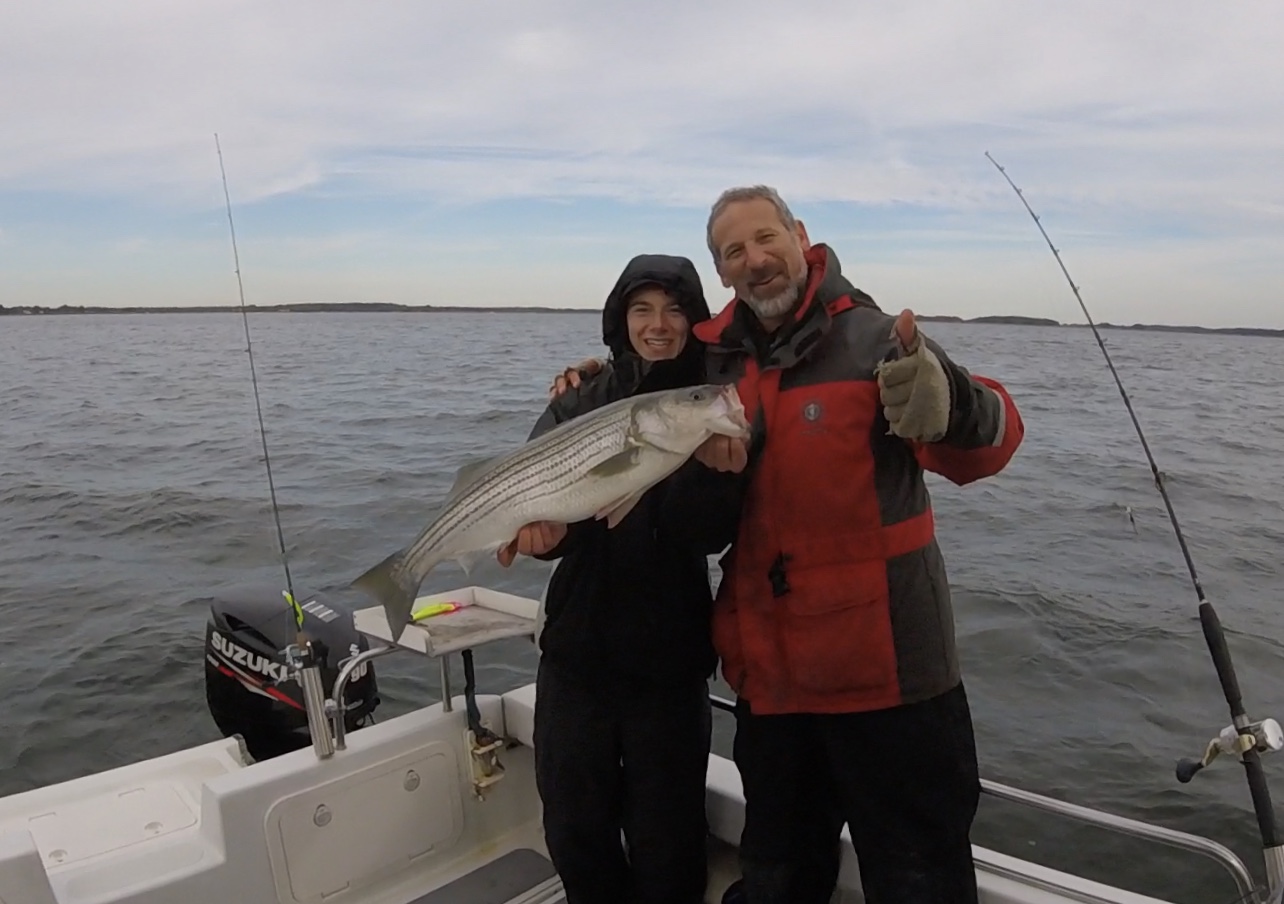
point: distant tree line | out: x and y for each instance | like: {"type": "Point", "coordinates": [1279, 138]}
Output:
{"type": "Point", "coordinates": [380, 306]}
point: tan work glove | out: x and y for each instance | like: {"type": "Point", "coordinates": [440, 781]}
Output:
{"type": "Point", "coordinates": [913, 388]}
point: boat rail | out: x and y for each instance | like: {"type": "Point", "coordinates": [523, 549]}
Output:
{"type": "Point", "coordinates": [1215, 851]}
{"type": "Point", "coordinates": [336, 706]}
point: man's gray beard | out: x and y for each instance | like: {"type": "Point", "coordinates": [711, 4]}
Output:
{"type": "Point", "coordinates": [777, 305]}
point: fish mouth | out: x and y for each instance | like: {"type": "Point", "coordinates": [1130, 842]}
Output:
{"type": "Point", "coordinates": [734, 410]}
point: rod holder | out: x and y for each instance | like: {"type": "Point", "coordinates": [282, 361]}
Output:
{"type": "Point", "coordinates": [306, 667]}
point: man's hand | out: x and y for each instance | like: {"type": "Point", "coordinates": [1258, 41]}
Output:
{"type": "Point", "coordinates": [913, 388]}
{"type": "Point", "coordinates": [574, 375]}
{"type": "Point", "coordinates": [534, 539]}
{"type": "Point", "coordinates": [723, 453]}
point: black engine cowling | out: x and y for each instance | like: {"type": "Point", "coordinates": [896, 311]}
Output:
{"type": "Point", "coordinates": [248, 687]}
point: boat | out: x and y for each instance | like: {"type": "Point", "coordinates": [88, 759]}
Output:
{"type": "Point", "coordinates": [307, 800]}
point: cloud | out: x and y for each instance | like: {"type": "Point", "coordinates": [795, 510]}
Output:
{"type": "Point", "coordinates": [1123, 119]}
{"type": "Point", "coordinates": [867, 103]}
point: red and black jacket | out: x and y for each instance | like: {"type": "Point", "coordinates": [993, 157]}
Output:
{"type": "Point", "coordinates": [834, 596]}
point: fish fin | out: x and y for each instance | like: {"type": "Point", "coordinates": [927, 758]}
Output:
{"type": "Point", "coordinates": [618, 510]}
{"type": "Point", "coordinates": [467, 473]}
{"type": "Point", "coordinates": [390, 584]}
{"type": "Point", "coordinates": [616, 464]}
{"type": "Point", "coordinates": [466, 560]}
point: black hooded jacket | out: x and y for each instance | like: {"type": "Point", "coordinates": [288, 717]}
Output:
{"type": "Point", "coordinates": [631, 605]}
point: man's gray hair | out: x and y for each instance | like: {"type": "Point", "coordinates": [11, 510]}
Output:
{"type": "Point", "coordinates": [747, 193]}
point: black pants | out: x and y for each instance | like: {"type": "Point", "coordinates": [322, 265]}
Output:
{"type": "Point", "coordinates": [609, 761]}
{"type": "Point", "coordinates": [904, 780]}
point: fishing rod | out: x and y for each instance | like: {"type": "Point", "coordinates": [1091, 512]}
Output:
{"type": "Point", "coordinates": [305, 656]}
{"type": "Point", "coordinates": [291, 600]}
{"type": "Point", "coordinates": [1248, 739]}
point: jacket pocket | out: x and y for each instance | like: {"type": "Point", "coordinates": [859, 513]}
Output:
{"type": "Point", "coordinates": [836, 630]}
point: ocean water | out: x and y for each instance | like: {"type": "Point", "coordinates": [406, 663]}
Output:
{"type": "Point", "coordinates": [133, 493]}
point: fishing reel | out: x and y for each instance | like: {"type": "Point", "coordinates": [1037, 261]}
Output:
{"type": "Point", "coordinates": [1265, 736]}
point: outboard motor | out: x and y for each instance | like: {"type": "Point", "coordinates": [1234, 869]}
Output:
{"type": "Point", "coordinates": [248, 687]}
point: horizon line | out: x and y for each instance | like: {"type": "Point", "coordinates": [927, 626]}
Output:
{"type": "Point", "coordinates": [315, 307]}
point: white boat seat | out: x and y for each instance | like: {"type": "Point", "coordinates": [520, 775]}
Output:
{"type": "Point", "coordinates": [724, 800]}
{"type": "Point", "coordinates": [519, 715]}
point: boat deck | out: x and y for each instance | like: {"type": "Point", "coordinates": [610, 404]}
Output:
{"type": "Point", "coordinates": [521, 874]}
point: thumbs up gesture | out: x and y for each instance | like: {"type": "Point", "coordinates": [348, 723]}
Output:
{"type": "Point", "coordinates": [913, 387]}
{"type": "Point", "coordinates": [905, 331]}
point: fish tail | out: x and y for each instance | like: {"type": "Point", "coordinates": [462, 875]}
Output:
{"type": "Point", "coordinates": [391, 583]}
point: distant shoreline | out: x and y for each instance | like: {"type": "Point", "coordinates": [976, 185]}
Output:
{"type": "Point", "coordinates": [389, 307]}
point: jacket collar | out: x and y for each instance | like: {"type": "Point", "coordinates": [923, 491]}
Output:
{"type": "Point", "coordinates": [736, 328]}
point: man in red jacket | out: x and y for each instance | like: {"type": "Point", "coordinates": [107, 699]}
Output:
{"type": "Point", "coordinates": [833, 619]}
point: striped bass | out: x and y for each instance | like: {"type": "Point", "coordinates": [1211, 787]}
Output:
{"type": "Point", "coordinates": [597, 465]}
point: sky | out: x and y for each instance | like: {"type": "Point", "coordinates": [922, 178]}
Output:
{"type": "Point", "coordinates": [516, 152]}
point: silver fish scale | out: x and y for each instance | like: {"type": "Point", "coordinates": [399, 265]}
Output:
{"type": "Point", "coordinates": [554, 464]}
